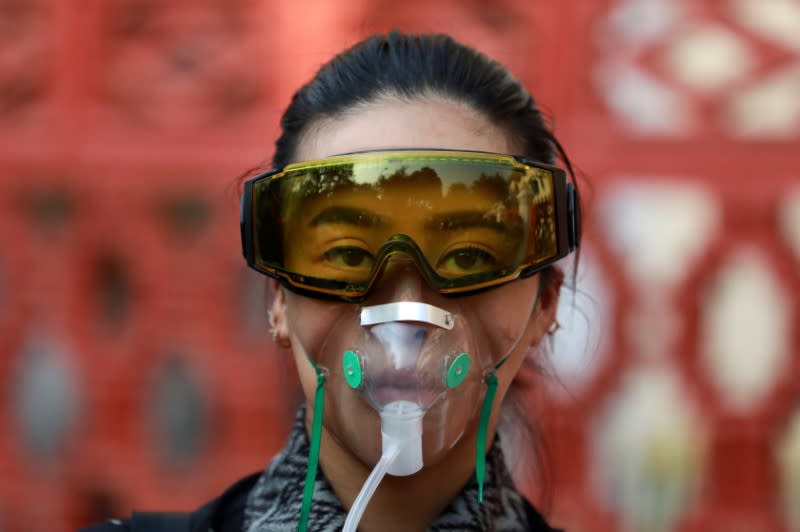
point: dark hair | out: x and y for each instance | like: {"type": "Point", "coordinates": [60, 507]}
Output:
{"type": "Point", "coordinates": [408, 67]}
{"type": "Point", "coordinates": [413, 66]}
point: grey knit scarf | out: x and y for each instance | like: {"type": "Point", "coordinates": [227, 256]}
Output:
{"type": "Point", "coordinates": [279, 494]}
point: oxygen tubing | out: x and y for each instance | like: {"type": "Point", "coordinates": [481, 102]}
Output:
{"type": "Point", "coordinates": [401, 434]}
{"type": "Point", "coordinates": [368, 489]}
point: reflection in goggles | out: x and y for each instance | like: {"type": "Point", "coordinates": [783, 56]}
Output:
{"type": "Point", "coordinates": [466, 219]}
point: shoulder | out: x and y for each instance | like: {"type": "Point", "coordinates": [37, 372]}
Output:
{"type": "Point", "coordinates": [225, 513]}
{"type": "Point", "coordinates": [536, 521]}
{"type": "Point", "coordinates": [112, 525]}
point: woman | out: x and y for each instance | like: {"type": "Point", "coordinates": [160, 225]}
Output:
{"type": "Point", "coordinates": [414, 260]}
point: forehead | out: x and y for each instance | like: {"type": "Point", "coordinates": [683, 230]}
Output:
{"type": "Point", "coordinates": [431, 122]}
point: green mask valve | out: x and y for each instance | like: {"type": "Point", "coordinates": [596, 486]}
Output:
{"type": "Point", "coordinates": [457, 371]}
{"type": "Point", "coordinates": [313, 452]}
{"type": "Point", "coordinates": [353, 373]}
{"type": "Point", "coordinates": [483, 427]}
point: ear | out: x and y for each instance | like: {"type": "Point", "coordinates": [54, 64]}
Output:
{"type": "Point", "coordinates": [277, 316]}
{"type": "Point", "coordinates": [544, 317]}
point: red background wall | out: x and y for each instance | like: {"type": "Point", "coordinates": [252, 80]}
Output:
{"type": "Point", "coordinates": [136, 370]}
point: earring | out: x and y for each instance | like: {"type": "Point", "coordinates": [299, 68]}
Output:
{"type": "Point", "coordinates": [273, 330]}
{"type": "Point", "coordinates": [554, 328]}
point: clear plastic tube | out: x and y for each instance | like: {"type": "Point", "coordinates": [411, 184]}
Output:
{"type": "Point", "coordinates": [401, 432]}
{"type": "Point", "coordinates": [368, 489]}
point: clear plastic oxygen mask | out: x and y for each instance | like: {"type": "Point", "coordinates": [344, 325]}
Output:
{"type": "Point", "coordinates": [410, 354]}
{"type": "Point", "coordinates": [402, 377]}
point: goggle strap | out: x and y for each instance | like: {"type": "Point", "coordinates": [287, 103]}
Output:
{"type": "Point", "coordinates": [313, 451]}
{"type": "Point", "coordinates": [573, 217]}
{"type": "Point", "coordinates": [483, 428]}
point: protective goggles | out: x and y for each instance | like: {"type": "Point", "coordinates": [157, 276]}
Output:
{"type": "Point", "coordinates": [469, 220]}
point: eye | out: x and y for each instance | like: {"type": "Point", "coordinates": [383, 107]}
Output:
{"type": "Point", "coordinates": [467, 261]}
{"type": "Point", "coordinates": [349, 257]}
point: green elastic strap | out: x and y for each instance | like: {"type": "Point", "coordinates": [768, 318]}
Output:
{"type": "Point", "coordinates": [483, 428]}
{"type": "Point", "coordinates": [486, 410]}
{"type": "Point", "coordinates": [313, 452]}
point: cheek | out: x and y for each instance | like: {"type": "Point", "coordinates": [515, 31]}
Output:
{"type": "Point", "coordinates": [305, 371]}
{"type": "Point", "coordinates": [510, 321]}
{"type": "Point", "coordinates": [309, 319]}
{"type": "Point", "coordinates": [509, 371]}
{"type": "Point", "coordinates": [505, 316]}
{"type": "Point", "coordinates": [507, 374]}
{"type": "Point", "coordinates": [310, 323]}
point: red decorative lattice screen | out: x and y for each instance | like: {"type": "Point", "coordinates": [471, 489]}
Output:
{"type": "Point", "coordinates": [135, 368]}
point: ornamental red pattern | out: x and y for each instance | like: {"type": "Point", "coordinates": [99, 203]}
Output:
{"type": "Point", "coordinates": [136, 368]}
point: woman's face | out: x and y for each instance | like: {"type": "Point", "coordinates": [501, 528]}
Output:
{"type": "Point", "coordinates": [498, 317]}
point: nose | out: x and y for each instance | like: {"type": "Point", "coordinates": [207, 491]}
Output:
{"type": "Point", "coordinates": [401, 280]}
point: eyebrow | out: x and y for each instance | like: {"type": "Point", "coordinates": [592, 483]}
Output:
{"type": "Point", "coordinates": [347, 215]}
{"type": "Point", "coordinates": [464, 219]}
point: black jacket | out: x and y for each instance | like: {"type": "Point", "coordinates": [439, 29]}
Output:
{"type": "Point", "coordinates": [223, 514]}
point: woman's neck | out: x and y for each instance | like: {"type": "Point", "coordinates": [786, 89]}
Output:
{"type": "Point", "coordinates": [400, 503]}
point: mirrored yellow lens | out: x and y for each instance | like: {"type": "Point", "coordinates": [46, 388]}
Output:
{"type": "Point", "coordinates": [472, 217]}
